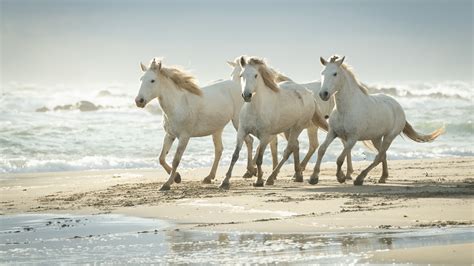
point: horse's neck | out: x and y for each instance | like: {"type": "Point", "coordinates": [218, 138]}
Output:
{"type": "Point", "coordinates": [348, 95]}
{"type": "Point", "coordinates": [264, 100]}
{"type": "Point", "coordinates": [171, 97]}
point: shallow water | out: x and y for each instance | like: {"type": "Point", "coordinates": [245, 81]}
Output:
{"type": "Point", "coordinates": [121, 136]}
{"type": "Point", "coordinates": [46, 239]}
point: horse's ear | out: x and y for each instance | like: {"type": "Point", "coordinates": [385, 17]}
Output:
{"type": "Point", "coordinates": [242, 61]}
{"type": "Point", "coordinates": [339, 62]}
{"type": "Point", "coordinates": [143, 67]}
{"type": "Point", "coordinates": [231, 64]}
{"type": "Point", "coordinates": [323, 62]}
{"type": "Point", "coordinates": [155, 66]}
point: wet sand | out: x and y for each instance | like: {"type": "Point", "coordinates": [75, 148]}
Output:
{"type": "Point", "coordinates": [419, 194]}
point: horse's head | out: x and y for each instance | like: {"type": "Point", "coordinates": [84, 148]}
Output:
{"type": "Point", "coordinates": [150, 83]}
{"type": "Point", "coordinates": [250, 78]}
{"type": "Point", "coordinates": [330, 76]}
{"type": "Point", "coordinates": [236, 69]}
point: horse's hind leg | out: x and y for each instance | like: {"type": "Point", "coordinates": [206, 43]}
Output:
{"type": "Point", "coordinates": [348, 145]}
{"type": "Point", "coordinates": [383, 178]}
{"type": "Point", "coordinates": [291, 147]}
{"type": "Point", "coordinates": [218, 147]}
{"type": "Point", "coordinates": [313, 145]}
{"type": "Point", "coordinates": [167, 143]}
{"type": "Point", "coordinates": [381, 156]}
{"type": "Point", "coordinates": [183, 142]}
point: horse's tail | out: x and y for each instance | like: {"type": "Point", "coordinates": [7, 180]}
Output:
{"type": "Point", "coordinates": [410, 132]}
{"type": "Point", "coordinates": [318, 118]}
{"type": "Point", "coordinates": [369, 145]}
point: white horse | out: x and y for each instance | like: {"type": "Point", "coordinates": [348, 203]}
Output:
{"type": "Point", "coordinates": [189, 111]}
{"type": "Point", "coordinates": [325, 107]}
{"type": "Point", "coordinates": [270, 110]}
{"type": "Point", "coordinates": [360, 116]}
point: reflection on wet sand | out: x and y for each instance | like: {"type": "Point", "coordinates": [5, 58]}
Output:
{"type": "Point", "coordinates": [114, 238]}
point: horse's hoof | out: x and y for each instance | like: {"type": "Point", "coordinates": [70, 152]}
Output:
{"type": "Point", "coordinates": [383, 180]}
{"type": "Point", "coordinates": [258, 184]}
{"type": "Point", "coordinates": [358, 182]}
{"type": "Point", "coordinates": [177, 178]}
{"type": "Point", "coordinates": [165, 187]}
{"type": "Point", "coordinates": [247, 175]}
{"type": "Point", "coordinates": [313, 180]}
{"type": "Point", "coordinates": [340, 177]}
{"type": "Point", "coordinates": [224, 185]}
{"type": "Point", "coordinates": [298, 178]}
{"type": "Point", "coordinates": [207, 180]}
{"type": "Point", "coordinates": [348, 177]}
{"type": "Point", "coordinates": [270, 182]}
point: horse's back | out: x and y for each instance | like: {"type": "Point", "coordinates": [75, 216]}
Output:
{"type": "Point", "coordinates": [217, 106]}
{"type": "Point", "coordinates": [296, 104]}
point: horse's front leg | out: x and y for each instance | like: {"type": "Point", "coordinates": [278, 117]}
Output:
{"type": "Point", "coordinates": [350, 169]}
{"type": "Point", "coordinates": [264, 140]}
{"type": "Point", "coordinates": [348, 145]}
{"type": "Point", "coordinates": [274, 151]}
{"type": "Point", "coordinates": [167, 143]}
{"type": "Point", "coordinates": [313, 180]}
{"type": "Point", "coordinates": [240, 141]}
{"type": "Point", "coordinates": [218, 148]}
{"type": "Point", "coordinates": [251, 171]}
{"type": "Point", "coordinates": [183, 142]}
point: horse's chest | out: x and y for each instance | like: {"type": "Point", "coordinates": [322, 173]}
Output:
{"type": "Point", "coordinates": [342, 126]}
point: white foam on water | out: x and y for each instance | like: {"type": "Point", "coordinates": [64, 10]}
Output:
{"type": "Point", "coordinates": [121, 136]}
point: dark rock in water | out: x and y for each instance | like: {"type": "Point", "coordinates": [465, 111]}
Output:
{"type": "Point", "coordinates": [43, 109]}
{"type": "Point", "coordinates": [63, 107]}
{"type": "Point", "coordinates": [103, 93]}
{"type": "Point", "coordinates": [86, 106]}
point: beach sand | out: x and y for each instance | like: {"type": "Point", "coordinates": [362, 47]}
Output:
{"type": "Point", "coordinates": [418, 194]}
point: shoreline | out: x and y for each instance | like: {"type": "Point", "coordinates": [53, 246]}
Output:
{"type": "Point", "coordinates": [419, 194]}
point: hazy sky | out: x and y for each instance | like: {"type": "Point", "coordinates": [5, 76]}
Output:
{"type": "Point", "coordinates": [77, 42]}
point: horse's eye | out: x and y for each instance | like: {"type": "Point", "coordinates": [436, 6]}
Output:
{"type": "Point", "coordinates": [256, 75]}
{"type": "Point", "coordinates": [152, 81]}
{"type": "Point", "coordinates": [335, 74]}
{"type": "Point", "coordinates": [240, 75]}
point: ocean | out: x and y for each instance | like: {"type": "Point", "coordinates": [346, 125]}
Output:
{"type": "Point", "coordinates": [65, 128]}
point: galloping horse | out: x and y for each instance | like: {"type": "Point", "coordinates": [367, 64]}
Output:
{"type": "Point", "coordinates": [190, 111]}
{"type": "Point", "coordinates": [270, 110]}
{"type": "Point", "coordinates": [360, 116]}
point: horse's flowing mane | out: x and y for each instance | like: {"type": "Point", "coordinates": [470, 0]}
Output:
{"type": "Point", "coordinates": [181, 79]}
{"type": "Point", "coordinates": [279, 77]}
{"type": "Point", "coordinates": [349, 71]}
{"type": "Point", "coordinates": [268, 76]}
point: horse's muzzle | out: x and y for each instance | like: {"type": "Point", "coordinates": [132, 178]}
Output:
{"type": "Point", "coordinates": [324, 95]}
{"type": "Point", "coordinates": [140, 102]}
{"type": "Point", "coordinates": [247, 97]}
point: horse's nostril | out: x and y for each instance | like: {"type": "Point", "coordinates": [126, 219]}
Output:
{"type": "Point", "coordinates": [142, 100]}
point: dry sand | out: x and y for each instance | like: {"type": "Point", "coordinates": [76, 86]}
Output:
{"type": "Point", "coordinates": [418, 194]}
